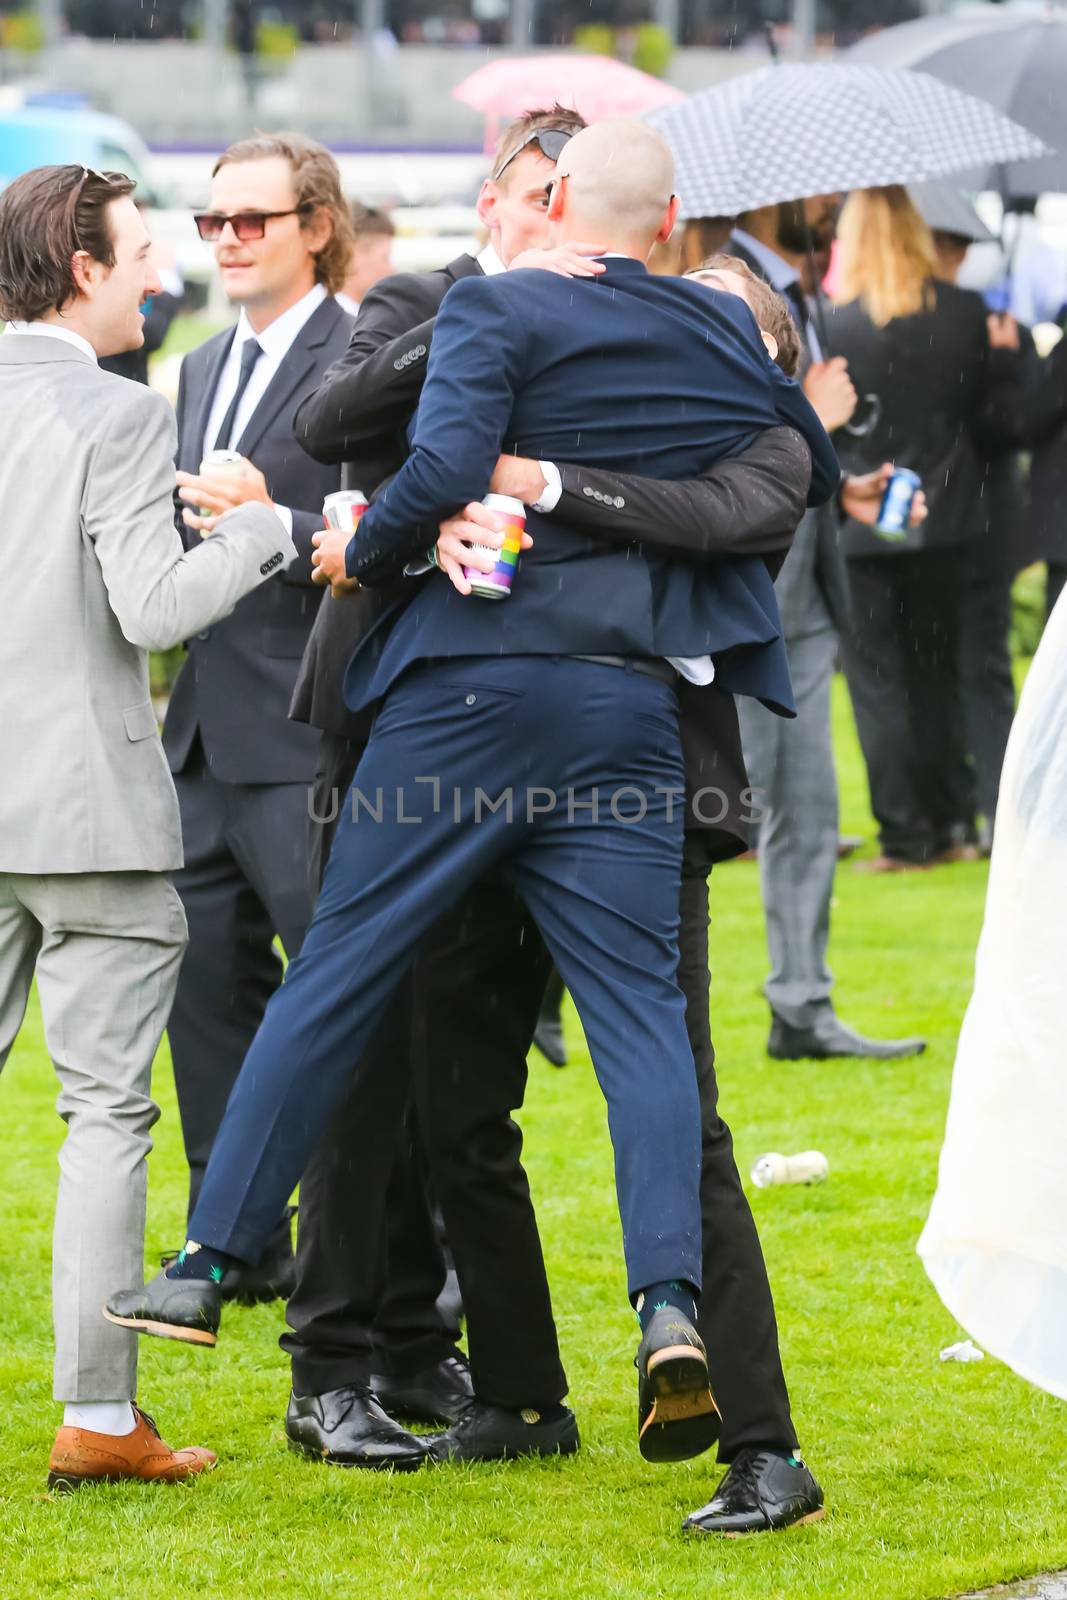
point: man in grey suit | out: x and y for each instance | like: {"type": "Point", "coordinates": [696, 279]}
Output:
{"type": "Point", "coordinates": [89, 829]}
{"type": "Point", "coordinates": [791, 764]}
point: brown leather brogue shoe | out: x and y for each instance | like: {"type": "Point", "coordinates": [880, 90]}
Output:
{"type": "Point", "coordinates": [79, 1456]}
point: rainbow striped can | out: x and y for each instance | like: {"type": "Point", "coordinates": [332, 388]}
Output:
{"type": "Point", "coordinates": [496, 585]}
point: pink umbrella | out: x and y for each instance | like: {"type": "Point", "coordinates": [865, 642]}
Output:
{"type": "Point", "coordinates": [596, 86]}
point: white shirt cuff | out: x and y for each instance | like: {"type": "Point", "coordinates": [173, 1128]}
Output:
{"type": "Point", "coordinates": [286, 518]}
{"type": "Point", "coordinates": [553, 489]}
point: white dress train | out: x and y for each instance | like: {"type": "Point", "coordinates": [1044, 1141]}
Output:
{"type": "Point", "coordinates": [995, 1242]}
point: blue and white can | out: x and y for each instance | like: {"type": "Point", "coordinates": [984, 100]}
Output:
{"type": "Point", "coordinates": [895, 510]}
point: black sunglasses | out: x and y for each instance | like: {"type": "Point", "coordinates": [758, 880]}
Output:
{"type": "Point", "coordinates": [246, 225]}
{"type": "Point", "coordinates": [550, 141]}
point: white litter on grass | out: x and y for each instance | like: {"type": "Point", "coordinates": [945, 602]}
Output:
{"type": "Point", "coordinates": [966, 1350]}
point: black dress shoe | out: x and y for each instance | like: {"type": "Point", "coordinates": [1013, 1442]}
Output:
{"type": "Point", "coordinates": [548, 1037]}
{"type": "Point", "coordinates": [761, 1492]}
{"type": "Point", "coordinates": [548, 1034]}
{"type": "Point", "coordinates": [272, 1278]}
{"type": "Point", "coordinates": [189, 1309]}
{"type": "Point", "coordinates": [676, 1412]}
{"type": "Point", "coordinates": [348, 1428]}
{"type": "Point", "coordinates": [433, 1394]}
{"type": "Point", "coordinates": [496, 1433]}
{"type": "Point", "coordinates": [830, 1039]}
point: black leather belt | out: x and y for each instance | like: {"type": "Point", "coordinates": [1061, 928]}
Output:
{"type": "Point", "coordinates": [648, 666]}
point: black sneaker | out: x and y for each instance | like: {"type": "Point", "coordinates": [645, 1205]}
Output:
{"type": "Point", "coordinates": [676, 1412]}
{"type": "Point", "coordinates": [496, 1433]}
{"type": "Point", "coordinates": [761, 1492]}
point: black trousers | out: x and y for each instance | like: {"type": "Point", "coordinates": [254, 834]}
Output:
{"type": "Point", "coordinates": [735, 1314]}
{"type": "Point", "coordinates": [245, 879]}
{"type": "Point", "coordinates": [453, 1045]}
{"type": "Point", "coordinates": [901, 658]}
{"type": "Point", "coordinates": [986, 682]}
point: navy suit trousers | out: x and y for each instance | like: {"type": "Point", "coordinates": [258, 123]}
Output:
{"type": "Point", "coordinates": [569, 772]}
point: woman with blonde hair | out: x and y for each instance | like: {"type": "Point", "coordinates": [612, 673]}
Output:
{"type": "Point", "coordinates": [920, 348]}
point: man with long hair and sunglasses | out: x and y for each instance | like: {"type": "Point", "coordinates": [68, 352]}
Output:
{"type": "Point", "coordinates": [280, 229]}
{"type": "Point", "coordinates": [89, 827]}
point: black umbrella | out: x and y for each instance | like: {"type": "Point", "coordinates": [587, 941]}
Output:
{"type": "Point", "coordinates": [1016, 63]}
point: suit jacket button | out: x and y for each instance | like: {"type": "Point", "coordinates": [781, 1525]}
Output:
{"type": "Point", "coordinates": [471, 700]}
{"type": "Point", "coordinates": [619, 502]}
{"type": "Point", "coordinates": [205, 635]}
{"type": "Point", "coordinates": [586, 490]}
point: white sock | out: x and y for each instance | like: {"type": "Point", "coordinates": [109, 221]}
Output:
{"type": "Point", "coordinates": [100, 1416]}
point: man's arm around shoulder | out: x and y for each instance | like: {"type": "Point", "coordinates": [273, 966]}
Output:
{"type": "Point", "coordinates": [159, 592]}
{"type": "Point", "coordinates": [476, 366]}
{"type": "Point", "coordinates": [371, 392]}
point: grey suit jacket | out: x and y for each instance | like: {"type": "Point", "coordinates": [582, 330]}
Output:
{"type": "Point", "coordinates": [94, 576]}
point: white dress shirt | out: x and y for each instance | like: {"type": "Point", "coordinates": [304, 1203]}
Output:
{"type": "Point", "coordinates": [50, 330]}
{"type": "Point", "coordinates": [275, 340]}
{"type": "Point", "coordinates": [490, 261]}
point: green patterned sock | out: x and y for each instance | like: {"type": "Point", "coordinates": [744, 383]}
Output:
{"type": "Point", "coordinates": [659, 1295]}
{"type": "Point", "coordinates": [199, 1261]}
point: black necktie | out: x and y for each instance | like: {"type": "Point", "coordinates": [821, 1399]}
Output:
{"type": "Point", "coordinates": [250, 354]}
{"type": "Point", "coordinates": [797, 299]}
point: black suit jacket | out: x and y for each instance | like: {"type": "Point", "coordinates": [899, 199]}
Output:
{"type": "Point", "coordinates": [359, 416]}
{"type": "Point", "coordinates": [238, 680]}
{"type": "Point", "coordinates": [1042, 404]}
{"type": "Point", "coordinates": [932, 375]}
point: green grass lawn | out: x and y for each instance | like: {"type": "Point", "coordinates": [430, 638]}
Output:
{"type": "Point", "coordinates": [938, 1477]}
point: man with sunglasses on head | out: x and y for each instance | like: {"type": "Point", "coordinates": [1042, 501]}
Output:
{"type": "Point", "coordinates": [279, 226]}
{"type": "Point", "coordinates": [96, 577]}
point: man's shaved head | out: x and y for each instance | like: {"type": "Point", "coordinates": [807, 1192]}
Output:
{"type": "Point", "coordinates": [618, 184]}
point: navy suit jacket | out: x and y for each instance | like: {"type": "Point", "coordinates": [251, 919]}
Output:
{"type": "Point", "coordinates": [238, 680]}
{"type": "Point", "coordinates": [647, 374]}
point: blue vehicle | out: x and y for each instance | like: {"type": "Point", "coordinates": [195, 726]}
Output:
{"type": "Point", "coordinates": [53, 134]}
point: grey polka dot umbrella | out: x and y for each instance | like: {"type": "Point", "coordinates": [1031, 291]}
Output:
{"type": "Point", "coordinates": [788, 131]}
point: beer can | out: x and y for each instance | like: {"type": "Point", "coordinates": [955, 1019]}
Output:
{"type": "Point", "coordinates": [895, 510]}
{"type": "Point", "coordinates": [810, 1166]}
{"type": "Point", "coordinates": [496, 585]}
{"type": "Point", "coordinates": [343, 509]}
{"type": "Point", "coordinates": [220, 464]}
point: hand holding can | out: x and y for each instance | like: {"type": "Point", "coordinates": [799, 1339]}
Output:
{"type": "Point", "coordinates": [341, 513]}
{"type": "Point", "coordinates": [496, 585]}
{"type": "Point", "coordinates": [894, 515]}
{"type": "Point", "coordinates": [220, 464]}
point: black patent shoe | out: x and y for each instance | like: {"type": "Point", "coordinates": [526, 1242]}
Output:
{"type": "Point", "coordinates": [188, 1309]}
{"type": "Point", "coordinates": [676, 1412]}
{"type": "Point", "coordinates": [496, 1433]}
{"type": "Point", "coordinates": [762, 1492]}
{"type": "Point", "coordinates": [348, 1428]}
{"type": "Point", "coordinates": [548, 1037]}
{"type": "Point", "coordinates": [433, 1394]}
